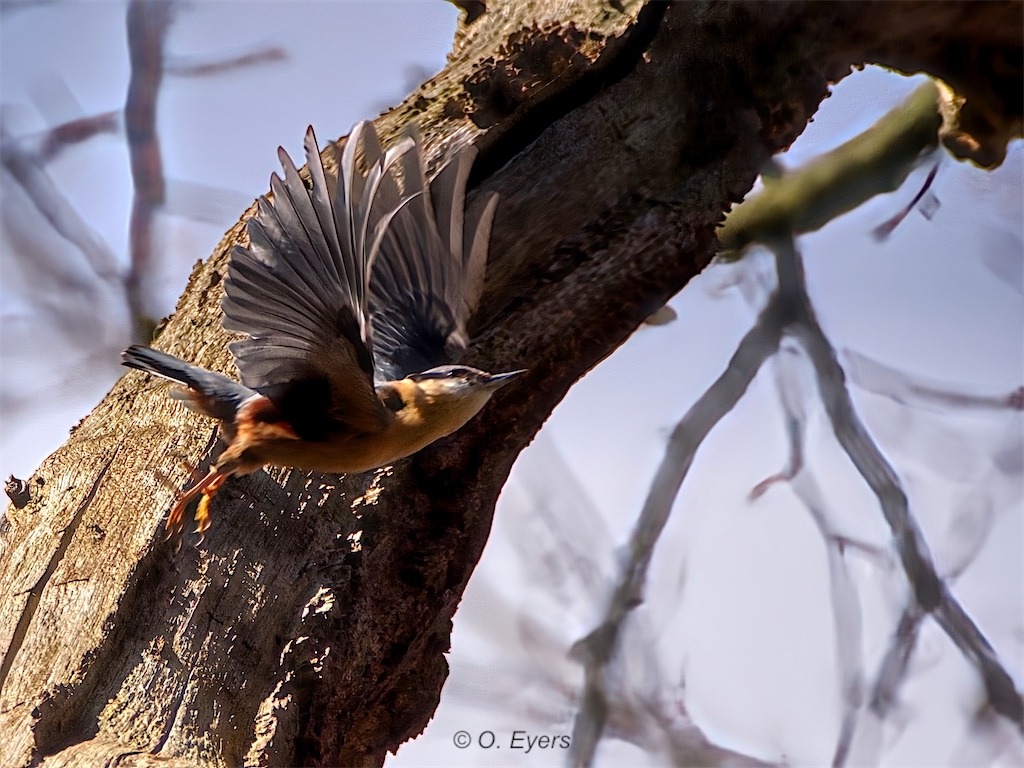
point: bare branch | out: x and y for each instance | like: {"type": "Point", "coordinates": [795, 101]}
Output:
{"type": "Point", "coordinates": [47, 198]}
{"type": "Point", "coordinates": [1002, 694]}
{"type": "Point", "coordinates": [882, 231]}
{"type": "Point", "coordinates": [930, 592]}
{"type": "Point", "coordinates": [875, 161]}
{"type": "Point", "coordinates": [181, 67]}
{"type": "Point", "coordinates": [148, 21]}
{"type": "Point", "coordinates": [54, 141]}
{"type": "Point", "coordinates": [793, 393]}
{"type": "Point", "coordinates": [917, 391]}
{"type": "Point", "coordinates": [598, 648]}
{"type": "Point", "coordinates": [791, 397]}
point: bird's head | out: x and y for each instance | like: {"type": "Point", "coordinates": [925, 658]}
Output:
{"type": "Point", "coordinates": [450, 395]}
{"type": "Point", "coordinates": [459, 382]}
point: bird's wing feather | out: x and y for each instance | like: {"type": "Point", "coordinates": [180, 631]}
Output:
{"type": "Point", "coordinates": [213, 394]}
{"type": "Point", "coordinates": [427, 274]}
{"type": "Point", "coordinates": [299, 290]}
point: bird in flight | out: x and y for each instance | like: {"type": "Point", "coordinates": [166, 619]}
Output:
{"type": "Point", "coordinates": [354, 292]}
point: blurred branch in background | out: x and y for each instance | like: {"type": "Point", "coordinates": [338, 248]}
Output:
{"type": "Point", "coordinates": [599, 648]}
{"type": "Point", "coordinates": [876, 161]}
{"type": "Point", "coordinates": [567, 559]}
{"type": "Point", "coordinates": [93, 308]}
{"type": "Point", "coordinates": [931, 593]}
{"type": "Point", "coordinates": [186, 68]}
{"type": "Point", "coordinates": [56, 140]}
{"type": "Point", "coordinates": [29, 173]}
{"type": "Point", "coordinates": [148, 24]}
{"type": "Point", "coordinates": [148, 21]}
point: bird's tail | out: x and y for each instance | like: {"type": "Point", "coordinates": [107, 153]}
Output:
{"type": "Point", "coordinates": [208, 392]}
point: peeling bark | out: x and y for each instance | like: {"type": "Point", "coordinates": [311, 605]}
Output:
{"type": "Point", "coordinates": [617, 135]}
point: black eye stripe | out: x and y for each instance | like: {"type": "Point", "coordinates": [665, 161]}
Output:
{"type": "Point", "coordinates": [446, 373]}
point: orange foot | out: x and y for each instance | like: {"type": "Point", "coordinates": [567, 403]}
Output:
{"type": "Point", "coordinates": [203, 513]}
{"type": "Point", "coordinates": [208, 486]}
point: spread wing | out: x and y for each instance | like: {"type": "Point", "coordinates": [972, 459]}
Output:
{"type": "Point", "coordinates": [428, 273]}
{"type": "Point", "coordinates": [300, 290]}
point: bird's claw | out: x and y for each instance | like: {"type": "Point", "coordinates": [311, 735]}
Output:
{"type": "Point", "coordinates": [175, 521]}
{"type": "Point", "coordinates": [208, 486]}
{"type": "Point", "coordinates": [203, 518]}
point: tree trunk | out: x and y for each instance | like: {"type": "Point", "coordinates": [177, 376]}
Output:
{"type": "Point", "coordinates": [310, 626]}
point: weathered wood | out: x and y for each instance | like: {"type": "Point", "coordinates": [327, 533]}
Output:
{"type": "Point", "coordinates": [310, 626]}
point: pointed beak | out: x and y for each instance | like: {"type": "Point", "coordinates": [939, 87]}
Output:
{"type": "Point", "coordinates": [501, 379]}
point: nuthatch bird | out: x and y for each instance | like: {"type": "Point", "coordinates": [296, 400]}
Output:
{"type": "Point", "coordinates": [354, 292]}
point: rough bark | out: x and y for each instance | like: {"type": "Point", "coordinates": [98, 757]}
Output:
{"type": "Point", "coordinates": [309, 628]}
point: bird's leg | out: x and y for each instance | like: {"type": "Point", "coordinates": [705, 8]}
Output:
{"type": "Point", "coordinates": [203, 513]}
{"type": "Point", "coordinates": [214, 480]}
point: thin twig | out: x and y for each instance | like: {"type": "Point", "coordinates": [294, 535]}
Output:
{"type": "Point", "coordinates": [796, 423]}
{"type": "Point", "coordinates": [883, 230]}
{"type": "Point", "coordinates": [182, 68]}
{"type": "Point", "coordinates": [853, 437]}
{"type": "Point", "coordinates": [862, 742]}
{"type": "Point", "coordinates": [915, 390]}
{"type": "Point", "coordinates": [894, 665]}
{"type": "Point", "coordinates": [57, 139]}
{"type": "Point", "coordinates": [846, 612]}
